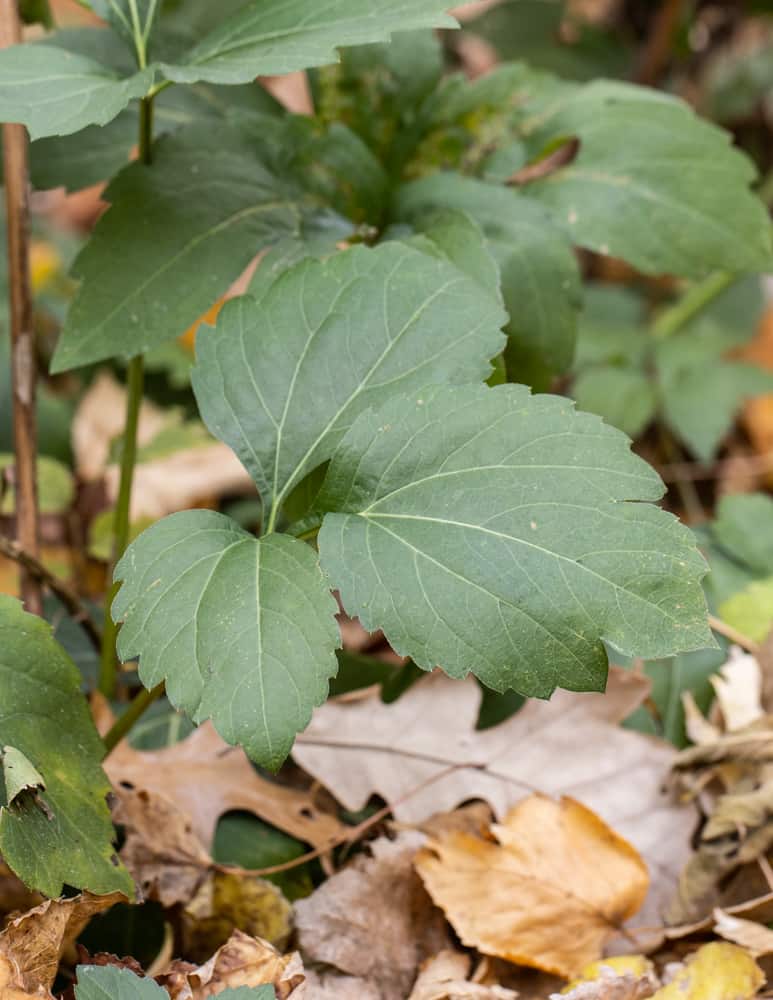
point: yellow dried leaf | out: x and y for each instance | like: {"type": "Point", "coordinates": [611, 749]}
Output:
{"type": "Point", "coordinates": [547, 892]}
{"type": "Point", "coordinates": [717, 971]}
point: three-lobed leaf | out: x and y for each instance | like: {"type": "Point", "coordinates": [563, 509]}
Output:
{"type": "Point", "coordinates": [110, 982]}
{"type": "Point", "coordinates": [241, 629]}
{"type": "Point", "coordinates": [56, 831]}
{"type": "Point", "coordinates": [485, 530]}
{"type": "Point", "coordinates": [282, 379]}
{"type": "Point", "coordinates": [56, 92]}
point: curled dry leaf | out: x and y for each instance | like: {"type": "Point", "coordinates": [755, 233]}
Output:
{"type": "Point", "coordinates": [242, 961]}
{"type": "Point", "coordinates": [373, 919]}
{"type": "Point", "coordinates": [31, 945]}
{"type": "Point", "coordinates": [165, 857]}
{"type": "Point", "coordinates": [738, 686]}
{"type": "Point", "coordinates": [445, 977]}
{"type": "Point", "coordinates": [551, 887]}
{"type": "Point", "coordinates": [423, 755]}
{"type": "Point", "coordinates": [755, 938]}
{"type": "Point", "coordinates": [205, 777]}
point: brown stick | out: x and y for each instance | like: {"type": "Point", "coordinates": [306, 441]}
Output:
{"type": "Point", "coordinates": [23, 367]}
{"type": "Point", "coordinates": [34, 568]}
{"type": "Point", "coordinates": [657, 52]}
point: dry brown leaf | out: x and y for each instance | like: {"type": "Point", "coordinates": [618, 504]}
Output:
{"type": "Point", "coordinates": [100, 419]}
{"type": "Point", "coordinates": [14, 894]}
{"type": "Point", "coordinates": [373, 920]}
{"type": "Point", "coordinates": [228, 902]}
{"type": "Point", "coordinates": [332, 986]}
{"type": "Point", "coordinates": [755, 938]}
{"type": "Point", "coordinates": [32, 944]}
{"type": "Point", "coordinates": [548, 891]}
{"type": "Point", "coordinates": [571, 745]}
{"type": "Point", "coordinates": [738, 687]}
{"type": "Point", "coordinates": [242, 961]}
{"type": "Point", "coordinates": [165, 857]}
{"type": "Point", "coordinates": [205, 777]}
{"type": "Point", "coordinates": [445, 977]}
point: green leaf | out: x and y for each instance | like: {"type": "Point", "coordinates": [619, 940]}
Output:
{"type": "Point", "coordinates": [131, 19]}
{"type": "Point", "coordinates": [700, 402]}
{"type": "Point", "coordinates": [244, 840]}
{"type": "Point", "coordinates": [485, 530]}
{"type": "Point", "coordinates": [652, 183]}
{"type": "Point", "coordinates": [744, 528]}
{"type": "Point", "coordinates": [109, 982]}
{"type": "Point", "coordinates": [241, 629]}
{"type": "Point", "coordinates": [54, 92]}
{"type": "Point", "coordinates": [62, 835]}
{"type": "Point", "coordinates": [624, 397]}
{"type": "Point", "coordinates": [273, 37]}
{"type": "Point", "coordinates": [751, 610]}
{"type": "Point", "coordinates": [186, 227]}
{"type": "Point", "coordinates": [539, 274]}
{"type": "Point", "coordinates": [281, 380]}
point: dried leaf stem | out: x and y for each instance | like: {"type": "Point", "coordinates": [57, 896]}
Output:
{"type": "Point", "coordinates": [23, 366]}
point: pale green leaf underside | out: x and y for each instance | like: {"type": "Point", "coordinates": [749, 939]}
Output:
{"type": "Point", "coordinates": [653, 183]}
{"type": "Point", "coordinates": [61, 835]}
{"type": "Point", "coordinates": [108, 982]}
{"type": "Point", "coordinates": [241, 629]}
{"type": "Point", "coordinates": [280, 380]}
{"type": "Point", "coordinates": [484, 531]}
{"type": "Point", "coordinates": [279, 36]}
{"type": "Point", "coordinates": [185, 230]}
{"type": "Point", "coordinates": [54, 92]}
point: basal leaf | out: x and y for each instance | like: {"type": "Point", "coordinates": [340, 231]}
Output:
{"type": "Point", "coordinates": [109, 982]}
{"type": "Point", "coordinates": [186, 227]}
{"type": "Point", "coordinates": [278, 36]}
{"type": "Point", "coordinates": [241, 629]}
{"type": "Point", "coordinates": [652, 183]}
{"type": "Point", "coordinates": [57, 832]}
{"type": "Point", "coordinates": [54, 92]}
{"type": "Point", "coordinates": [485, 530]}
{"type": "Point", "coordinates": [281, 380]}
{"type": "Point", "coordinates": [539, 274]}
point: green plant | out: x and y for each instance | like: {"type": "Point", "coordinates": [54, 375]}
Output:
{"type": "Point", "coordinates": [483, 528]}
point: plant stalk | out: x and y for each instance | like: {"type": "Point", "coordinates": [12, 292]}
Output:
{"type": "Point", "coordinates": [108, 670]}
{"type": "Point", "coordinates": [693, 302]}
{"type": "Point", "coordinates": [137, 707]}
{"type": "Point", "coordinates": [23, 364]}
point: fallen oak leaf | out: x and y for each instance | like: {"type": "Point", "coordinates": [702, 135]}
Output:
{"type": "Point", "coordinates": [547, 891]}
{"type": "Point", "coordinates": [32, 944]}
{"type": "Point", "coordinates": [205, 777]}
{"type": "Point", "coordinates": [423, 755]}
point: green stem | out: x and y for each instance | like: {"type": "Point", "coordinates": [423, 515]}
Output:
{"type": "Point", "coordinates": [693, 302]}
{"type": "Point", "coordinates": [121, 523]}
{"type": "Point", "coordinates": [108, 667]}
{"type": "Point", "coordinates": [137, 707]}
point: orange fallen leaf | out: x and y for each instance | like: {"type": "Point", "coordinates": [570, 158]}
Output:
{"type": "Point", "coordinates": [547, 890]}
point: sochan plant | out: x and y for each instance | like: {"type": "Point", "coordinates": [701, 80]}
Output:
{"type": "Point", "coordinates": [485, 529]}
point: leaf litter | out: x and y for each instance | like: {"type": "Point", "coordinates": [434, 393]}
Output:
{"type": "Point", "coordinates": [593, 863]}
